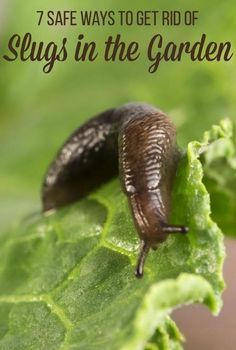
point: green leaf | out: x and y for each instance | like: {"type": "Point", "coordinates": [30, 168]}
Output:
{"type": "Point", "coordinates": [220, 175]}
{"type": "Point", "coordinates": [67, 280]}
{"type": "Point", "coordinates": [166, 337]}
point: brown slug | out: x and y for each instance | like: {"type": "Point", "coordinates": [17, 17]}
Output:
{"type": "Point", "coordinates": [137, 140]}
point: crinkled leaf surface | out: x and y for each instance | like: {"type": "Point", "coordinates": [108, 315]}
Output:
{"type": "Point", "coordinates": [220, 176]}
{"type": "Point", "coordinates": [67, 280]}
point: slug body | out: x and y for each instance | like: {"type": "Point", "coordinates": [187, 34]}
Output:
{"type": "Point", "coordinates": [139, 141]}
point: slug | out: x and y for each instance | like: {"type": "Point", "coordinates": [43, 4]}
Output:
{"type": "Point", "coordinates": [138, 141]}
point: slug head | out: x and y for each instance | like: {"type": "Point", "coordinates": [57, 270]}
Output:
{"type": "Point", "coordinates": [145, 246]}
{"type": "Point", "coordinates": [151, 223]}
{"type": "Point", "coordinates": [153, 230]}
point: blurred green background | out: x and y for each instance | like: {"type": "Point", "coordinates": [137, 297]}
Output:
{"type": "Point", "coordinates": [38, 111]}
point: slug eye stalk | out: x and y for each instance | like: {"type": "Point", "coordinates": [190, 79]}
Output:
{"type": "Point", "coordinates": [144, 249]}
{"type": "Point", "coordinates": [175, 229]}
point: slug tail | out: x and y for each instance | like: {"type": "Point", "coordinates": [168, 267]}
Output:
{"type": "Point", "coordinates": [144, 249]}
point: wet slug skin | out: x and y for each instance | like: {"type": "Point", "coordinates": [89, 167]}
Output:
{"type": "Point", "coordinates": [138, 141]}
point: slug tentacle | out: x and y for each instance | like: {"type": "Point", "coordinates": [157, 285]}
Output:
{"type": "Point", "coordinates": [144, 249]}
{"type": "Point", "coordinates": [137, 139]}
{"type": "Point", "coordinates": [175, 229]}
